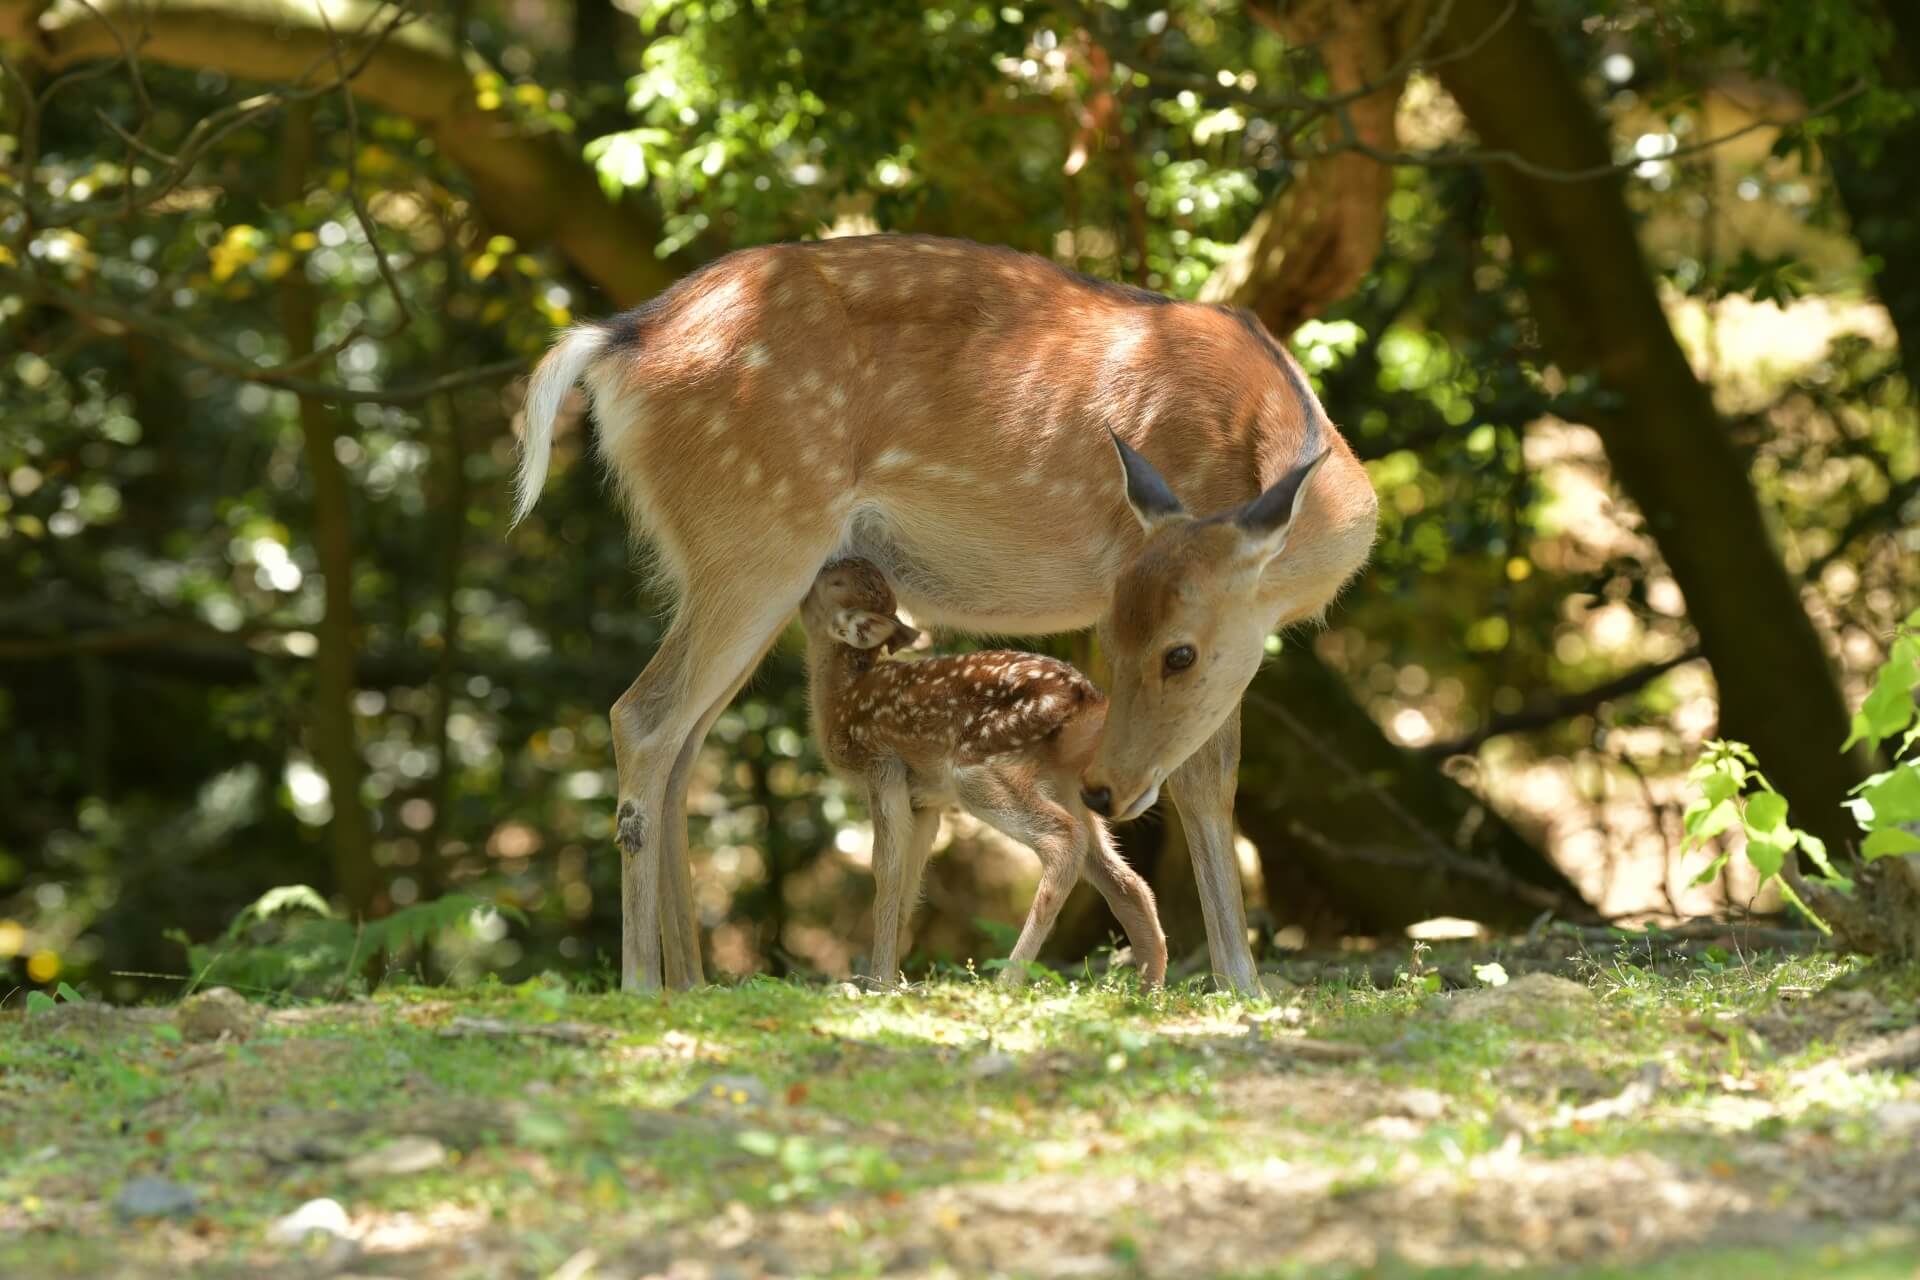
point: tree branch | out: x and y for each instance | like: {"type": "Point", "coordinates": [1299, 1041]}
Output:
{"type": "Point", "coordinates": [1561, 708]}
{"type": "Point", "coordinates": [535, 188]}
{"type": "Point", "coordinates": [115, 317]}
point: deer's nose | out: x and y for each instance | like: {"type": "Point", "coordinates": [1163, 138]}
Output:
{"type": "Point", "coordinates": [1098, 799]}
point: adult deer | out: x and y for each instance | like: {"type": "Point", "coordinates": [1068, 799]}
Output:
{"type": "Point", "coordinates": [951, 412]}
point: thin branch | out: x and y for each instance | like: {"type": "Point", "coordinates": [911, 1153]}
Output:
{"type": "Point", "coordinates": [215, 128]}
{"type": "Point", "coordinates": [1310, 108]}
{"type": "Point", "coordinates": [170, 334]}
{"type": "Point", "coordinates": [1520, 164]}
{"type": "Point", "coordinates": [1562, 708]}
{"type": "Point", "coordinates": [1869, 519]}
{"type": "Point", "coordinates": [130, 56]}
{"type": "Point", "coordinates": [360, 210]}
{"type": "Point", "coordinates": [1438, 852]}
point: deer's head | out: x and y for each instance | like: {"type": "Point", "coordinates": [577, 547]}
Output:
{"type": "Point", "coordinates": [1187, 629]}
{"type": "Point", "coordinates": [852, 604]}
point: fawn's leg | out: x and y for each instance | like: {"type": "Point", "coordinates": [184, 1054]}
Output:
{"type": "Point", "coordinates": [715, 635]}
{"type": "Point", "coordinates": [891, 806]}
{"type": "Point", "coordinates": [1012, 803]}
{"type": "Point", "coordinates": [1203, 787]}
{"type": "Point", "coordinates": [926, 825]}
{"type": "Point", "coordinates": [1130, 899]}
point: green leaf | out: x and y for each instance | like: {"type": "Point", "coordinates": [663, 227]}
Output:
{"type": "Point", "coordinates": [1766, 812]}
{"type": "Point", "coordinates": [1711, 872]}
{"type": "Point", "coordinates": [1817, 850]}
{"type": "Point", "coordinates": [1896, 797]}
{"type": "Point", "coordinates": [1888, 710]}
{"type": "Point", "coordinates": [38, 1002]}
{"type": "Point", "coordinates": [68, 994]}
{"type": "Point", "coordinates": [168, 1032]}
{"type": "Point", "coordinates": [1718, 786]}
{"type": "Point", "coordinates": [1706, 824]}
{"type": "Point", "coordinates": [1766, 857]}
{"type": "Point", "coordinates": [1493, 975]}
{"type": "Point", "coordinates": [1889, 842]}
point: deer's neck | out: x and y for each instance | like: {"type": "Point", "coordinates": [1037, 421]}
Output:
{"type": "Point", "coordinates": [832, 671]}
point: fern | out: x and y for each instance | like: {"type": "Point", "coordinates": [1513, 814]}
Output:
{"type": "Point", "coordinates": [289, 940]}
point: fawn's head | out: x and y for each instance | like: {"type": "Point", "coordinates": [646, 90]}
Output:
{"type": "Point", "coordinates": [1187, 629]}
{"type": "Point", "coordinates": [851, 604]}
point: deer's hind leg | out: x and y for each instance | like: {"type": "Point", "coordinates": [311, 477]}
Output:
{"type": "Point", "coordinates": [679, 925]}
{"type": "Point", "coordinates": [1012, 802]}
{"type": "Point", "coordinates": [719, 630]}
{"type": "Point", "coordinates": [1130, 899]}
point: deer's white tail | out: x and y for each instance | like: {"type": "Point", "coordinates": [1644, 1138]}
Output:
{"type": "Point", "coordinates": [552, 379]}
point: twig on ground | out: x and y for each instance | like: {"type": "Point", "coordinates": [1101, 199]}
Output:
{"type": "Point", "coordinates": [566, 1032]}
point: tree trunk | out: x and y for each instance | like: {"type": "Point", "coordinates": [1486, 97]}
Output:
{"type": "Point", "coordinates": [1316, 241]}
{"type": "Point", "coordinates": [330, 730]}
{"type": "Point", "coordinates": [1359, 836]}
{"type": "Point", "coordinates": [1593, 293]}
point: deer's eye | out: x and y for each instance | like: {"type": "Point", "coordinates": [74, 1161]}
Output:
{"type": "Point", "coordinates": [1180, 657]}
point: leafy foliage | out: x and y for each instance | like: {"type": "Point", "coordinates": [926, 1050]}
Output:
{"type": "Point", "coordinates": [290, 941]}
{"type": "Point", "coordinates": [1735, 795]}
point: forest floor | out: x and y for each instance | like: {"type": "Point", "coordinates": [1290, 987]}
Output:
{"type": "Point", "coordinates": [1690, 1115]}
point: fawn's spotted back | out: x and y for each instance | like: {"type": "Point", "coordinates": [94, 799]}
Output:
{"type": "Point", "coordinates": [971, 707]}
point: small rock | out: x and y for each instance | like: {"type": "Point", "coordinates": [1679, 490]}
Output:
{"type": "Point", "coordinates": [1420, 1104]}
{"type": "Point", "coordinates": [216, 1013]}
{"type": "Point", "coordinates": [410, 1153]}
{"type": "Point", "coordinates": [725, 1093]}
{"type": "Point", "coordinates": [849, 990]}
{"type": "Point", "coordinates": [991, 1064]}
{"type": "Point", "coordinates": [1899, 1118]}
{"type": "Point", "coordinates": [1526, 1001]}
{"type": "Point", "coordinates": [1393, 1128]}
{"type": "Point", "coordinates": [326, 1217]}
{"type": "Point", "coordinates": [155, 1198]}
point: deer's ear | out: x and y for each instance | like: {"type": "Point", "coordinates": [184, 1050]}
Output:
{"type": "Point", "coordinates": [861, 629]}
{"type": "Point", "coordinates": [1268, 519]}
{"type": "Point", "coordinates": [903, 637]}
{"type": "Point", "coordinates": [1148, 494]}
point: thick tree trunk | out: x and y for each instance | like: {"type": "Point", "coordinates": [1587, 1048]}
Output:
{"type": "Point", "coordinates": [1315, 243]}
{"type": "Point", "coordinates": [1593, 293]}
{"type": "Point", "coordinates": [535, 188]}
{"type": "Point", "coordinates": [1357, 835]}
{"type": "Point", "coordinates": [330, 728]}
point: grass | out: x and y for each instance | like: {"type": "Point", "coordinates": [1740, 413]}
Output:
{"type": "Point", "coordinates": [962, 1128]}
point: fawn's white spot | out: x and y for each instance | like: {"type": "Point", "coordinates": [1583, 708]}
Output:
{"type": "Point", "coordinates": [756, 356]}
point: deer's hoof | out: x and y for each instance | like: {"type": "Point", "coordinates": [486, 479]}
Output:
{"type": "Point", "coordinates": [630, 827]}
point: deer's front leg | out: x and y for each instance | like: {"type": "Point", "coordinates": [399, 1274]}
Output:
{"type": "Point", "coordinates": [1203, 788]}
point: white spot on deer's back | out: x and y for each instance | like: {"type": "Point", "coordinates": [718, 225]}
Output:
{"type": "Point", "coordinates": [752, 473]}
{"type": "Point", "coordinates": [756, 356]}
{"type": "Point", "coordinates": [894, 456]}
{"type": "Point", "coordinates": [837, 397]}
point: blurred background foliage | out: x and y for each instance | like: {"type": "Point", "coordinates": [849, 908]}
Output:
{"type": "Point", "coordinates": [267, 285]}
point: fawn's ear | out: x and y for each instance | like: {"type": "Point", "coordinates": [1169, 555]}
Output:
{"type": "Point", "coordinates": [903, 637]}
{"type": "Point", "coordinates": [861, 629]}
